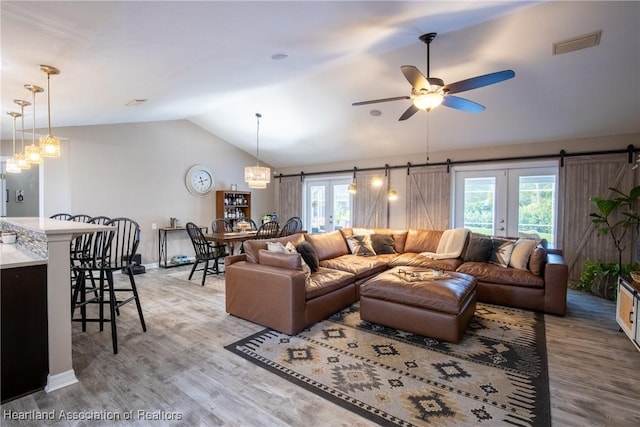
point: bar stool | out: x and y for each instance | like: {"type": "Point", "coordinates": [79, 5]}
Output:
{"type": "Point", "coordinates": [109, 254]}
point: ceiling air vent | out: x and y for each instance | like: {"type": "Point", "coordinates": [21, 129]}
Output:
{"type": "Point", "coordinates": [577, 43]}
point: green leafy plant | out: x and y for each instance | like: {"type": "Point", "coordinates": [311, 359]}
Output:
{"type": "Point", "coordinates": [617, 218]}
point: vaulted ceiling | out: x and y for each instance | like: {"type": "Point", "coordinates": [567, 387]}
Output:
{"type": "Point", "coordinates": [211, 62]}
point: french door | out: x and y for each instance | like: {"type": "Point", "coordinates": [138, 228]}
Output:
{"type": "Point", "coordinates": [510, 201]}
{"type": "Point", "coordinates": [327, 204]}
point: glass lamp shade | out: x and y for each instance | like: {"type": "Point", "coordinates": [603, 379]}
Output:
{"type": "Point", "coordinates": [21, 161]}
{"type": "Point", "coordinates": [392, 195]}
{"type": "Point", "coordinates": [428, 100]}
{"type": "Point", "coordinates": [257, 176]}
{"type": "Point", "coordinates": [50, 146]}
{"type": "Point", "coordinates": [376, 181]}
{"type": "Point", "coordinates": [32, 154]}
{"type": "Point", "coordinates": [352, 188]}
{"type": "Point", "coordinates": [12, 166]}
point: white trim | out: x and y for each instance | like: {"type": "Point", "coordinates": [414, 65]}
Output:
{"type": "Point", "coordinates": [58, 381]}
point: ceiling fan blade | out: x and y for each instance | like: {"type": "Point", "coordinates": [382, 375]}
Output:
{"type": "Point", "coordinates": [479, 81]}
{"type": "Point", "coordinates": [375, 101]}
{"type": "Point", "coordinates": [462, 104]}
{"type": "Point", "coordinates": [415, 77]}
{"type": "Point", "coordinates": [410, 112]}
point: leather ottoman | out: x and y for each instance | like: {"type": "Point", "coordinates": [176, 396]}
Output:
{"type": "Point", "coordinates": [438, 307]}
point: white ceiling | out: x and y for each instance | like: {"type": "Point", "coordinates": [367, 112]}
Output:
{"type": "Point", "coordinates": [210, 62]}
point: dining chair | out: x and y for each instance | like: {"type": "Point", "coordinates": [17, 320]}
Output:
{"type": "Point", "coordinates": [268, 230]}
{"type": "Point", "coordinates": [291, 226]}
{"type": "Point", "coordinates": [205, 251]}
{"type": "Point", "coordinates": [221, 225]}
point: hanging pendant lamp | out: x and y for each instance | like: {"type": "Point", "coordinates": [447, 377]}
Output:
{"type": "Point", "coordinates": [20, 158]}
{"type": "Point", "coordinates": [49, 145]}
{"type": "Point", "coordinates": [12, 165]}
{"type": "Point", "coordinates": [257, 176]}
{"type": "Point", "coordinates": [32, 152]}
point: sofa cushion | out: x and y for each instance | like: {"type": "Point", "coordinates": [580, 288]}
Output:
{"type": "Point", "coordinates": [251, 247]}
{"type": "Point", "coordinates": [280, 259]}
{"type": "Point", "coordinates": [328, 245]}
{"type": "Point", "coordinates": [383, 244]}
{"type": "Point", "coordinates": [538, 260]}
{"type": "Point", "coordinates": [422, 241]}
{"type": "Point", "coordinates": [309, 254]}
{"type": "Point", "coordinates": [501, 252]}
{"type": "Point", "coordinates": [360, 245]}
{"type": "Point", "coordinates": [522, 250]}
{"type": "Point", "coordinates": [478, 249]}
{"type": "Point", "coordinates": [492, 273]}
{"type": "Point", "coordinates": [409, 259]}
{"type": "Point", "coordinates": [358, 265]}
{"type": "Point", "coordinates": [326, 280]}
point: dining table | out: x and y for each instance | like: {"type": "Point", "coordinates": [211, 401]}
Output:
{"type": "Point", "coordinates": [230, 238]}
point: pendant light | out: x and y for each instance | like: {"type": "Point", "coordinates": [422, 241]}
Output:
{"type": "Point", "coordinates": [20, 158]}
{"type": "Point", "coordinates": [49, 145]}
{"type": "Point", "coordinates": [12, 165]}
{"type": "Point", "coordinates": [32, 152]}
{"type": "Point", "coordinates": [257, 176]}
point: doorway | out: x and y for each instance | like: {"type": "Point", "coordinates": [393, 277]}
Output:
{"type": "Point", "coordinates": [327, 204]}
{"type": "Point", "coordinates": [511, 200]}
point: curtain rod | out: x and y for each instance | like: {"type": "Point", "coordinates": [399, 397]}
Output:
{"type": "Point", "coordinates": [630, 150]}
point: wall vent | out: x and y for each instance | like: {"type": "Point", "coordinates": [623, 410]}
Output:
{"type": "Point", "coordinates": [577, 43]}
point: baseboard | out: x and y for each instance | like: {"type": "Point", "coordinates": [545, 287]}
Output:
{"type": "Point", "coordinates": [58, 381]}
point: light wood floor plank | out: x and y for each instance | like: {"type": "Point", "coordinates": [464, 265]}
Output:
{"type": "Point", "coordinates": [180, 366]}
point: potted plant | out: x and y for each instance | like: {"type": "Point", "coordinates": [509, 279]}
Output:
{"type": "Point", "coordinates": [617, 218]}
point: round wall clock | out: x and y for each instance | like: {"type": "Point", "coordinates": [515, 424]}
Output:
{"type": "Point", "coordinates": [200, 180]}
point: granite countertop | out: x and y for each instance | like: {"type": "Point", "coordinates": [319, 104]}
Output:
{"type": "Point", "coordinates": [13, 256]}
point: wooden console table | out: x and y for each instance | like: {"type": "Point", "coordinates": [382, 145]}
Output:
{"type": "Point", "coordinates": [162, 245]}
{"type": "Point", "coordinates": [628, 308]}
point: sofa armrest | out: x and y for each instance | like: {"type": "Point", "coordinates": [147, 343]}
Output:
{"type": "Point", "coordinates": [270, 296]}
{"type": "Point", "coordinates": [231, 259]}
{"type": "Point", "coordinates": [556, 279]}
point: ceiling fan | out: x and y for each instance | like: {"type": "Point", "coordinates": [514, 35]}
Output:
{"type": "Point", "coordinates": [429, 92]}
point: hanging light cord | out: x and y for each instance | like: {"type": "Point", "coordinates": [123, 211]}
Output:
{"type": "Point", "coordinates": [48, 101]}
{"type": "Point", "coordinates": [258, 115]}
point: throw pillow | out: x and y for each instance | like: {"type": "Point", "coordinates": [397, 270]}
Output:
{"type": "Point", "coordinates": [538, 260]}
{"type": "Point", "coordinates": [383, 244]}
{"type": "Point", "coordinates": [290, 248]}
{"type": "Point", "coordinates": [522, 250]}
{"type": "Point", "coordinates": [309, 255]}
{"type": "Point", "coordinates": [276, 247]}
{"type": "Point", "coordinates": [501, 252]}
{"type": "Point", "coordinates": [362, 231]}
{"type": "Point", "coordinates": [361, 245]}
{"type": "Point", "coordinates": [479, 249]}
{"type": "Point", "coordinates": [280, 259]}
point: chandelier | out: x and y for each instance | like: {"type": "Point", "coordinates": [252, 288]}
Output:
{"type": "Point", "coordinates": [257, 176]}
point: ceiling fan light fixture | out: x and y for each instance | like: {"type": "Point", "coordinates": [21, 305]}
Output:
{"type": "Point", "coordinates": [428, 100]}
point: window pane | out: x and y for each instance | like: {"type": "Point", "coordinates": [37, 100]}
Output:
{"type": "Point", "coordinates": [479, 204]}
{"type": "Point", "coordinates": [341, 206]}
{"type": "Point", "coordinates": [536, 206]}
{"type": "Point", "coordinates": [317, 208]}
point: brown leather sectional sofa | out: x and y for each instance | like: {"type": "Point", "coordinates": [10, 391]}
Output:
{"type": "Point", "coordinates": [273, 290]}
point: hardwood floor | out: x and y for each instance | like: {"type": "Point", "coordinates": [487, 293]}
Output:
{"type": "Point", "coordinates": [179, 373]}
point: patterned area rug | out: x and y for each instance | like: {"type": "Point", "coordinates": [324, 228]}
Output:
{"type": "Point", "coordinates": [496, 376]}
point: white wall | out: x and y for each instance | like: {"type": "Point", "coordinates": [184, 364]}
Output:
{"type": "Point", "coordinates": [138, 171]}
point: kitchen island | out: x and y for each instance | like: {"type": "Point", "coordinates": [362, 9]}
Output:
{"type": "Point", "coordinates": [45, 242]}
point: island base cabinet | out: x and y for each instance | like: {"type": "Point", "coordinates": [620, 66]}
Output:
{"type": "Point", "coordinates": [24, 340]}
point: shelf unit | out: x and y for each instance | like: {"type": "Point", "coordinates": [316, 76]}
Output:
{"type": "Point", "coordinates": [627, 309]}
{"type": "Point", "coordinates": [233, 205]}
